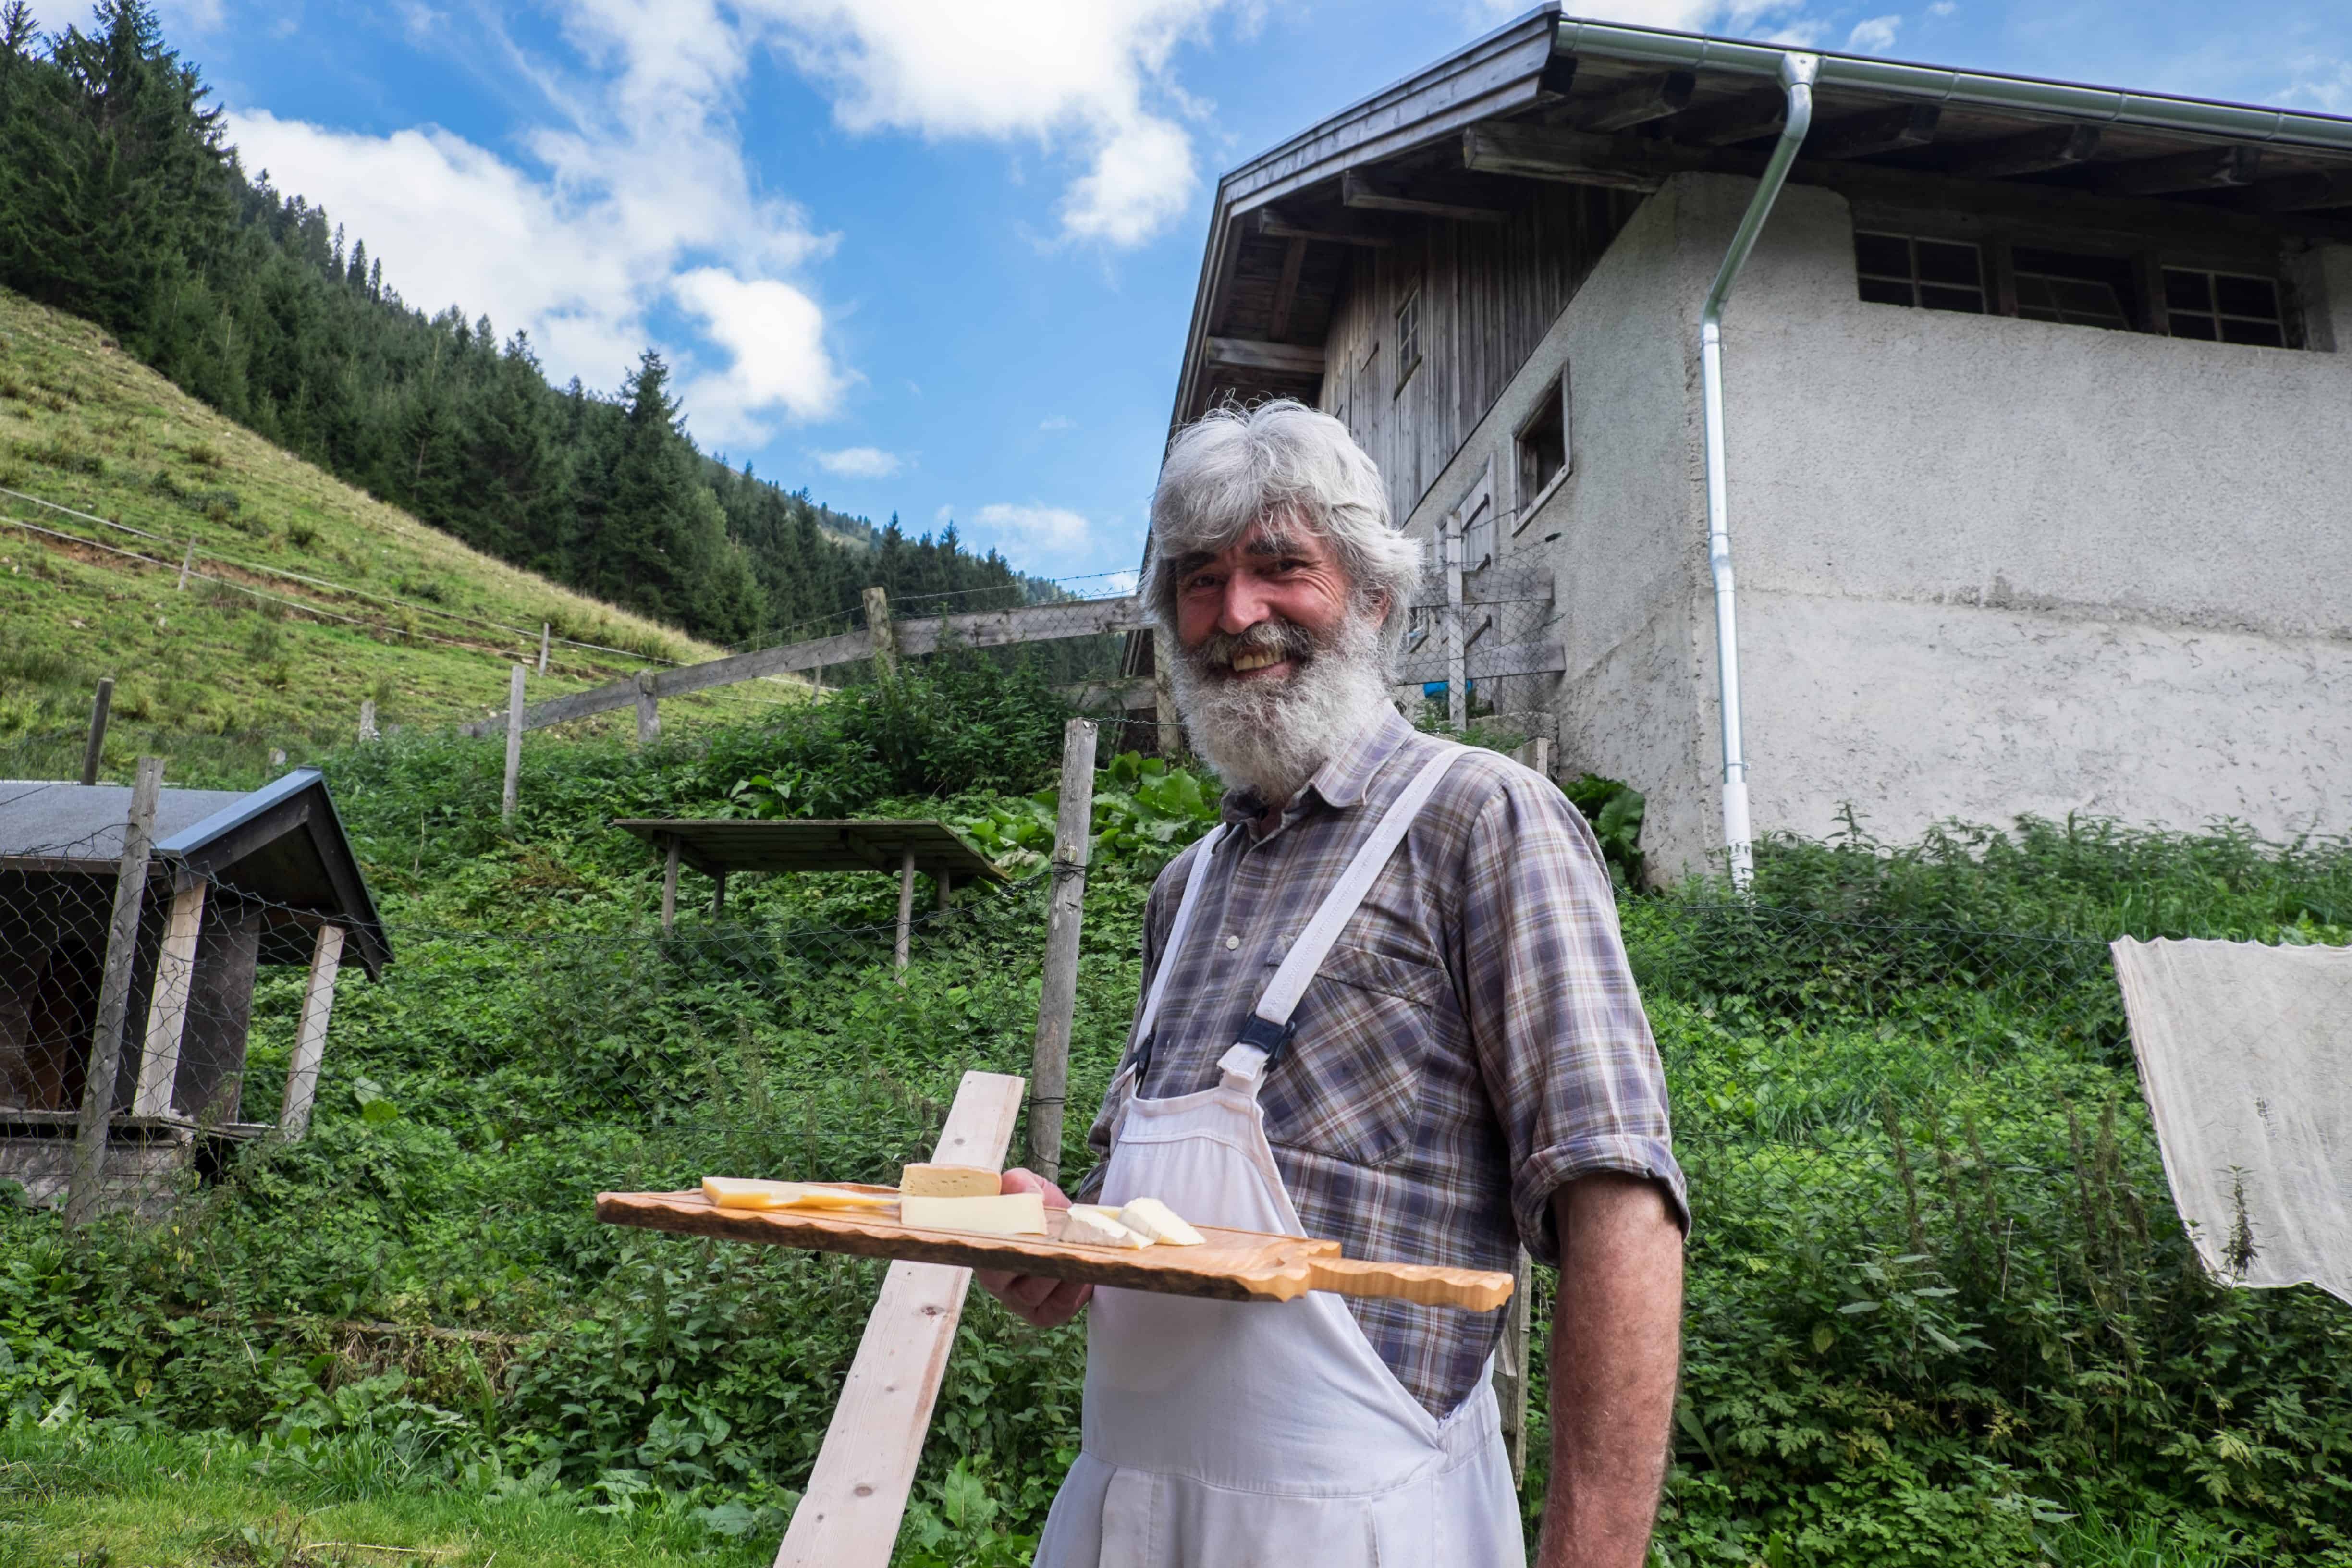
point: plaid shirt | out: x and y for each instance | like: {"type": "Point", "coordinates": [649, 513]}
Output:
{"type": "Point", "coordinates": [1472, 1042]}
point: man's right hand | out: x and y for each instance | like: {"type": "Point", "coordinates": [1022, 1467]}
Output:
{"type": "Point", "coordinates": [1036, 1300]}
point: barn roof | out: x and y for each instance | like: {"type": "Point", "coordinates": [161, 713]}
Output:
{"type": "Point", "coordinates": [1558, 99]}
{"type": "Point", "coordinates": [281, 845]}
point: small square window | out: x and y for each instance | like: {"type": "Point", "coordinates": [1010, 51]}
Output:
{"type": "Point", "coordinates": [1408, 338]}
{"type": "Point", "coordinates": [2224, 306]}
{"type": "Point", "coordinates": [1932, 274]}
{"type": "Point", "coordinates": [1543, 446]}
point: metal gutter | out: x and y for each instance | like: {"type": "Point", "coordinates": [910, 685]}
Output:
{"type": "Point", "coordinates": [1983, 89]}
{"type": "Point", "coordinates": [1797, 74]}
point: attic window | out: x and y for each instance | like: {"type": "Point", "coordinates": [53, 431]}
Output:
{"type": "Point", "coordinates": [1408, 338]}
{"type": "Point", "coordinates": [2079, 290]}
{"type": "Point", "coordinates": [1543, 446]}
{"type": "Point", "coordinates": [1936, 274]}
{"type": "Point", "coordinates": [2224, 306]}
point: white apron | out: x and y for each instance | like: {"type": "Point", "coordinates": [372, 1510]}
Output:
{"type": "Point", "coordinates": [1228, 1434]}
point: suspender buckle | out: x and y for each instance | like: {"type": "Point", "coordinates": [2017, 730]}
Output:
{"type": "Point", "coordinates": [1269, 1036]}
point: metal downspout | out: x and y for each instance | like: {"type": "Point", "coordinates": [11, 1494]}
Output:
{"type": "Point", "coordinates": [1797, 73]}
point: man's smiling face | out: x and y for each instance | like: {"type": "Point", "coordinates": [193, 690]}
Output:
{"type": "Point", "coordinates": [1264, 607]}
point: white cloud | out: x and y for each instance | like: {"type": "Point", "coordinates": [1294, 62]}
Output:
{"type": "Point", "coordinates": [859, 463]}
{"type": "Point", "coordinates": [1058, 422]}
{"type": "Point", "coordinates": [2324, 85]}
{"type": "Point", "coordinates": [631, 193]}
{"type": "Point", "coordinates": [1873, 34]}
{"type": "Point", "coordinates": [1942, 8]}
{"type": "Point", "coordinates": [1031, 533]}
{"type": "Point", "coordinates": [1735, 18]}
{"type": "Point", "coordinates": [1067, 74]}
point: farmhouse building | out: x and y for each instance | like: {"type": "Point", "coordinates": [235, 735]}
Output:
{"type": "Point", "coordinates": [2037, 434]}
{"type": "Point", "coordinates": [236, 881]}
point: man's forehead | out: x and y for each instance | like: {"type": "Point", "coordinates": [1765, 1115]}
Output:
{"type": "Point", "coordinates": [1266, 537]}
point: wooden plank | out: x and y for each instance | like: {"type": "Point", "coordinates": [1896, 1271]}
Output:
{"type": "Point", "coordinates": [113, 996]}
{"type": "Point", "coordinates": [1744, 119]}
{"type": "Point", "coordinates": [167, 1004]}
{"type": "Point", "coordinates": [310, 1036]}
{"type": "Point", "coordinates": [1517, 659]}
{"type": "Point", "coordinates": [1880, 131]}
{"type": "Point", "coordinates": [849, 1513]}
{"type": "Point", "coordinates": [1058, 994]}
{"type": "Point", "coordinates": [1277, 224]}
{"type": "Point", "coordinates": [1638, 103]}
{"type": "Point", "coordinates": [1285, 289]}
{"type": "Point", "coordinates": [1031, 623]}
{"type": "Point", "coordinates": [1229, 1266]}
{"type": "Point", "coordinates": [1571, 157]}
{"type": "Point", "coordinates": [2204, 169]}
{"type": "Point", "coordinates": [1375, 193]}
{"type": "Point", "coordinates": [2028, 153]}
{"type": "Point", "coordinates": [1244, 353]}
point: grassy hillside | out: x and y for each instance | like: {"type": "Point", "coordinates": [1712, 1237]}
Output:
{"type": "Point", "coordinates": [307, 595]}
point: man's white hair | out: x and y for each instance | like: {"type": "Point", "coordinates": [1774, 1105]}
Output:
{"type": "Point", "coordinates": [1235, 467]}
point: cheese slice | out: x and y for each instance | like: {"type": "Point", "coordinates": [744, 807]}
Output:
{"type": "Point", "coordinates": [1157, 1220]}
{"type": "Point", "coordinates": [949, 1182]}
{"type": "Point", "coordinates": [1008, 1214]}
{"type": "Point", "coordinates": [1092, 1226]}
{"type": "Point", "coordinates": [740, 1193]}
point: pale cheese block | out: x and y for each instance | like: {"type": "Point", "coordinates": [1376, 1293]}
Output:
{"type": "Point", "coordinates": [1090, 1226]}
{"type": "Point", "coordinates": [1155, 1219]}
{"type": "Point", "coordinates": [1007, 1214]}
{"type": "Point", "coordinates": [743, 1193]}
{"type": "Point", "coordinates": [949, 1182]}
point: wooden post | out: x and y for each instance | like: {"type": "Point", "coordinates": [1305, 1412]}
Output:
{"type": "Point", "coordinates": [187, 560]}
{"type": "Point", "coordinates": [849, 1512]}
{"type": "Point", "coordinates": [507, 797]}
{"type": "Point", "coordinates": [1457, 669]}
{"type": "Point", "coordinates": [367, 718]}
{"type": "Point", "coordinates": [114, 996]}
{"type": "Point", "coordinates": [906, 909]}
{"type": "Point", "coordinates": [1163, 695]}
{"type": "Point", "coordinates": [543, 630]}
{"type": "Point", "coordinates": [718, 895]}
{"type": "Point", "coordinates": [100, 706]}
{"type": "Point", "coordinates": [1049, 1071]}
{"type": "Point", "coordinates": [276, 756]}
{"type": "Point", "coordinates": [167, 1004]}
{"type": "Point", "coordinates": [648, 709]}
{"type": "Point", "coordinates": [1511, 1369]}
{"type": "Point", "coordinates": [885, 635]}
{"type": "Point", "coordinates": [943, 884]}
{"type": "Point", "coordinates": [310, 1037]}
{"type": "Point", "coordinates": [669, 886]}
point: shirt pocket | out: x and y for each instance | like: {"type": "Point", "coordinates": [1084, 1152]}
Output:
{"type": "Point", "coordinates": [1349, 1084]}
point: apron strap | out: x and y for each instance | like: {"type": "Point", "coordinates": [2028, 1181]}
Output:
{"type": "Point", "coordinates": [1269, 1027]}
{"type": "Point", "coordinates": [1194, 882]}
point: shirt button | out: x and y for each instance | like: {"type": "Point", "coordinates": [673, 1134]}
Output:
{"type": "Point", "coordinates": [1232, 942]}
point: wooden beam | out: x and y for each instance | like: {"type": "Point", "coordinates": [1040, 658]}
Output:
{"type": "Point", "coordinates": [670, 886]}
{"type": "Point", "coordinates": [906, 911]}
{"type": "Point", "coordinates": [2297, 192]}
{"type": "Point", "coordinates": [1732, 120]}
{"type": "Point", "coordinates": [1066, 908]}
{"type": "Point", "coordinates": [1377, 194]}
{"type": "Point", "coordinates": [1276, 224]}
{"type": "Point", "coordinates": [1651, 97]}
{"type": "Point", "coordinates": [506, 793]}
{"type": "Point", "coordinates": [2202, 169]}
{"type": "Point", "coordinates": [1285, 290]}
{"type": "Point", "coordinates": [1880, 131]}
{"type": "Point", "coordinates": [881, 631]}
{"type": "Point", "coordinates": [167, 1004]}
{"type": "Point", "coordinates": [99, 706]}
{"type": "Point", "coordinates": [88, 1182]}
{"type": "Point", "coordinates": [311, 1034]}
{"type": "Point", "coordinates": [1244, 354]}
{"type": "Point", "coordinates": [2028, 153]}
{"type": "Point", "coordinates": [648, 709]}
{"type": "Point", "coordinates": [1574, 157]}
{"type": "Point", "coordinates": [849, 1512]}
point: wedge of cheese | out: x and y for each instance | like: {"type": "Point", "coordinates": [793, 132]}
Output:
{"type": "Point", "coordinates": [740, 1193]}
{"type": "Point", "coordinates": [1155, 1219]}
{"type": "Point", "coordinates": [949, 1182]}
{"type": "Point", "coordinates": [1091, 1226]}
{"type": "Point", "coordinates": [1007, 1214]}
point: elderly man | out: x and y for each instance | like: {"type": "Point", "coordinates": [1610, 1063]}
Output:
{"type": "Point", "coordinates": [1386, 1002]}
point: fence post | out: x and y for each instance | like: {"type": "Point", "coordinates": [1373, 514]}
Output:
{"type": "Point", "coordinates": [1163, 694]}
{"type": "Point", "coordinates": [310, 1038]}
{"type": "Point", "coordinates": [507, 801]}
{"type": "Point", "coordinates": [885, 635]}
{"type": "Point", "coordinates": [648, 709]}
{"type": "Point", "coordinates": [114, 996]}
{"type": "Point", "coordinates": [669, 886]}
{"type": "Point", "coordinates": [1457, 670]}
{"type": "Point", "coordinates": [543, 630]}
{"type": "Point", "coordinates": [906, 910]}
{"type": "Point", "coordinates": [367, 718]}
{"type": "Point", "coordinates": [1049, 1072]}
{"type": "Point", "coordinates": [100, 706]}
{"type": "Point", "coordinates": [186, 561]}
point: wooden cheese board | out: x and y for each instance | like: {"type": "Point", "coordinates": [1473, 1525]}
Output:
{"type": "Point", "coordinates": [1229, 1265]}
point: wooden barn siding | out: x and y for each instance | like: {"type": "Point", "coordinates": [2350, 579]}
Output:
{"type": "Point", "coordinates": [1488, 293]}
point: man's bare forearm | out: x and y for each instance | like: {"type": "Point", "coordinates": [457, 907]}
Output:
{"type": "Point", "coordinates": [1616, 1346]}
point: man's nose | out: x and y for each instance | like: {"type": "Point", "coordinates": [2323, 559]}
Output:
{"type": "Point", "coordinates": [1243, 604]}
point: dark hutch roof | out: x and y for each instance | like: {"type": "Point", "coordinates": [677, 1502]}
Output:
{"type": "Point", "coordinates": [715, 846]}
{"type": "Point", "coordinates": [282, 845]}
{"type": "Point", "coordinates": [1553, 98]}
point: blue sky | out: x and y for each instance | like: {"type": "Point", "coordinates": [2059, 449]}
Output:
{"type": "Point", "coordinates": [934, 258]}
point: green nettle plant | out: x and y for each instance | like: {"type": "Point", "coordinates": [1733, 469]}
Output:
{"type": "Point", "coordinates": [1940, 1307]}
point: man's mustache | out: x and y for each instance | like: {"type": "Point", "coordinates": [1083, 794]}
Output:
{"type": "Point", "coordinates": [1284, 639]}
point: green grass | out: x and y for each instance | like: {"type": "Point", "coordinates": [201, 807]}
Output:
{"type": "Point", "coordinates": [84, 426]}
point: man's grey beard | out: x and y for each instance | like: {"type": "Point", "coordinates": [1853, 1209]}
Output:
{"type": "Point", "coordinates": [1269, 737]}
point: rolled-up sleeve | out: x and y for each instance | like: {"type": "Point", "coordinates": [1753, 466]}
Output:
{"type": "Point", "coordinates": [1554, 1017]}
